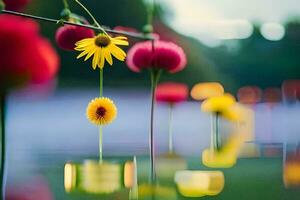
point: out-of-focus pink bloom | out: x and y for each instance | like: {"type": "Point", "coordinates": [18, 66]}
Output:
{"type": "Point", "coordinates": [37, 189]}
{"type": "Point", "coordinates": [291, 90]}
{"type": "Point", "coordinates": [67, 35]}
{"type": "Point", "coordinates": [164, 55]}
{"type": "Point", "coordinates": [249, 95]}
{"type": "Point", "coordinates": [272, 95]}
{"type": "Point", "coordinates": [125, 28]}
{"type": "Point", "coordinates": [25, 55]}
{"type": "Point", "coordinates": [46, 62]}
{"type": "Point", "coordinates": [15, 5]}
{"type": "Point", "coordinates": [171, 92]}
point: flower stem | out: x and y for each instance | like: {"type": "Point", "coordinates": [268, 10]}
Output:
{"type": "Point", "coordinates": [101, 82]}
{"type": "Point", "coordinates": [215, 135]}
{"type": "Point", "coordinates": [100, 128]}
{"type": "Point", "coordinates": [100, 144]}
{"type": "Point", "coordinates": [66, 5]}
{"type": "Point", "coordinates": [170, 128]}
{"type": "Point", "coordinates": [2, 142]}
{"type": "Point", "coordinates": [90, 14]}
{"type": "Point", "coordinates": [155, 75]}
{"type": "Point", "coordinates": [56, 21]}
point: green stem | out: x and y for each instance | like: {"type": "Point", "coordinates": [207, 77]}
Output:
{"type": "Point", "coordinates": [155, 75]}
{"type": "Point", "coordinates": [101, 82]}
{"type": "Point", "coordinates": [100, 144]}
{"type": "Point", "coordinates": [215, 133]}
{"type": "Point", "coordinates": [150, 12]}
{"type": "Point", "coordinates": [2, 142]}
{"type": "Point", "coordinates": [66, 5]}
{"type": "Point", "coordinates": [170, 128]}
{"type": "Point", "coordinates": [90, 14]}
{"type": "Point", "coordinates": [100, 128]}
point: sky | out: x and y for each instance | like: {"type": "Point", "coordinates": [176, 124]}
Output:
{"type": "Point", "coordinates": [212, 21]}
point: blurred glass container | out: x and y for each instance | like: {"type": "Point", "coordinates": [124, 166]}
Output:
{"type": "Point", "coordinates": [167, 165]}
{"type": "Point", "coordinates": [94, 177]}
{"type": "Point", "coordinates": [192, 183]}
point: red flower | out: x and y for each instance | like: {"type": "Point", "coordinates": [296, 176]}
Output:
{"type": "Point", "coordinates": [15, 5]}
{"type": "Point", "coordinates": [165, 55]}
{"type": "Point", "coordinates": [291, 90]}
{"type": "Point", "coordinates": [171, 92]}
{"type": "Point", "coordinates": [25, 55]}
{"type": "Point", "coordinates": [249, 95]}
{"type": "Point", "coordinates": [67, 35]}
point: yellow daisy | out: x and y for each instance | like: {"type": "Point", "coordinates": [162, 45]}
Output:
{"type": "Point", "coordinates": [102, 47]}
{"type": "Point", "coordinates": [101, 111]}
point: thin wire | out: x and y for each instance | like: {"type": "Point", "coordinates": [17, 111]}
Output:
{"type": "Point", "coordinates": [57, 21]}
{"type": "Point", "coordinates": [90, 14]}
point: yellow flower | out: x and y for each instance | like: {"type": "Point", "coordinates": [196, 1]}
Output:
{"type": "Point", "coordinates": [102, 47]}
{"type": "Point", "coordinates": [202, 91]}
{"type": "Point", "coordinates": [218, 103]}
{"type": "Point", "coordinates": [101, 111]}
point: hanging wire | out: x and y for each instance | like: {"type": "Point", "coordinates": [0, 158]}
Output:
{"type": "Point", "coordinates": [58, 21]}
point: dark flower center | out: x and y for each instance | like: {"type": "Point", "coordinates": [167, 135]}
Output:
{"type": "Point", "coordinates": [102, 41]}
{"type": "Point", "coordinates": [100, 112]}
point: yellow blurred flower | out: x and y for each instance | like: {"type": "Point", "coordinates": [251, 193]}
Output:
{"type": "Point", "coordinates": [101, 111]}
{"type": "Point", "coordinates": [222, 105]}
{"type": "Point", "coordinates": [102, 47]}
{"type": "Point", "coordinates": [227, 156]}
{"type": "Point", "coordinates": [202, 91]}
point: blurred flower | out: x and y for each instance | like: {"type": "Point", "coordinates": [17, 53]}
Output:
{"type": "Point", "coordinates": [28, 57]}
{"type": "Point", "coordinates": [165, 55]}
{"type": "Point", "coordinates": [171, 92]}
{"type": "Point", "coordinates": [218, 104]}
{"type": "Point", "coordinates": [125, 28]}
{"type": "Point", "coordinates": [15, 5]}
{"type": "Point", "coordinates": [101, 111]}
{"type": "Point", "coordinates": [203, 91]}
{"type": "Point", "coordinates": [272, 95]}
{"type": "Point", "coordinates": [291, 175]}
{"type": "Point", "coordinates": [67, 35]}
{"type": "Point", "coordinates": [291, 90]}
{"type": "Point", "coordinates": [35, 188]}
{"type": "Point", "coordinates": [249, 95]}
{"type": "Point", "coordinates": [102, 47]}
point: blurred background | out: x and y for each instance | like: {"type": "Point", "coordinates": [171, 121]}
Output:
{"type": "Point", "coordinates": [237, 43]}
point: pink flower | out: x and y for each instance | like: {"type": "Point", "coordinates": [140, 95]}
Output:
{"type": "Point", "coordinates": [171, 92]}
{"type": "Point", "coordinates": [249, 95]}
{"type": "Point", "coordinates": [26, 56]}
{"type": "Point", "coordinates": [67, 35]}
{"type": "Point", "coordinates": [165, 55]}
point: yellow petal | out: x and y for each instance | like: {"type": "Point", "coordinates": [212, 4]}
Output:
{"type": "Point", "coordinates": [91, 52]}
{"type": "Point", "coordinates": [120, 38]}
{"type": "Point", "coordinates": [101, 58]}
{"type": "Point", "coordinates": [108, 57]}
{"type": "Point", "coordinates": [85, 42]}
{"type": "Point", "coordinates": [117, 52]}
{"type": "Point", "coordinates": [120, 42]}
{"type": "Point", "coordinates": [82, 54]}
{"type": "Point", "coordinates": [96, 58]}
